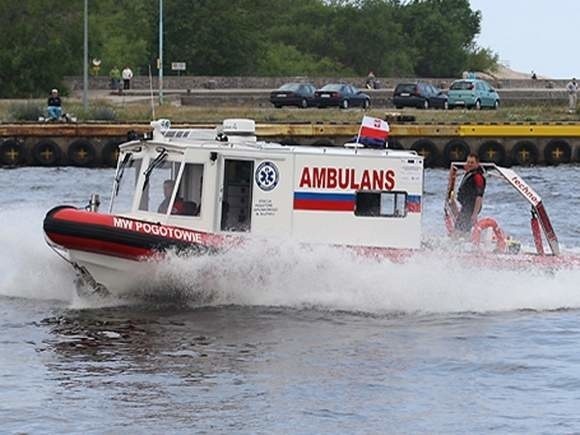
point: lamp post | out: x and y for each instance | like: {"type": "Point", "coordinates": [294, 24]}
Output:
{"type": "Point", "coordinates": [86, 57]}
{"type": "Point", "coordinates": [160, 52]}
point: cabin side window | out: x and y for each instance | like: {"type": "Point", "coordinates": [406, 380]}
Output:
{"type": "Point", "coordinates": [381, 204]}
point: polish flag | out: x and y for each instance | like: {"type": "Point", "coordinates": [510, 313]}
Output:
{"type": "Point", "coordinates": [374, 128]}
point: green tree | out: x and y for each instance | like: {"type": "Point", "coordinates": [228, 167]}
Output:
{"type": "Point", "coordinates": [124, 32]}
{"type": "Point", "coordinates": [371, 38]}
{"type": "Point", "coordinates": [216, 37]}
{"type": "Point", "coordinates": [481, 59]}
{"type": "Point", "coordinates": [41, 43]}
{"type": "Point", "coordinates": [280, 59]}
{"type": "Point", "coordinates": [43, 39]}
{"type": "Point", "coordinates": [442, 32]}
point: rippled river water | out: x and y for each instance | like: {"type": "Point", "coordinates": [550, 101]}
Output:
{"type": "Point", "coordinates": [303, 341]}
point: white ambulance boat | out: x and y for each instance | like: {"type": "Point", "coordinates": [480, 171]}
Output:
{"type": "Point", "coordinates": [200, 191]}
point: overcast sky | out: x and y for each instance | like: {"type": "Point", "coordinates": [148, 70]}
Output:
{"type": "Point", "coordinates": [539, 35]}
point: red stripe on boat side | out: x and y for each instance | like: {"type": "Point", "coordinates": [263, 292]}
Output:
{"type": "Point", "coordinates": [326, 205]}
{"type": "Point", "coordinates": [101, 247]}
{"type": "Point", "coordinates": [414, 207]}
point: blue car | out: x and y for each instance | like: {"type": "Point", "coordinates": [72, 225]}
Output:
{"type": "Point", "coordinates": [473, 94]}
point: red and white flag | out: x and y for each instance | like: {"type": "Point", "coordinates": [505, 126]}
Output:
{"type": "Point", "coordinates": [374, 128]}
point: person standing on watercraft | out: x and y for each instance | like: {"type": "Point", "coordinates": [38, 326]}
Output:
{"type": "Point", "coordinates": [470, 194]}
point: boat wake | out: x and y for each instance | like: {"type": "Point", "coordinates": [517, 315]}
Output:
{"type": "Point", "coordinates": [28, 268]}
{"type": "Point", "coordinates": [288, 274]}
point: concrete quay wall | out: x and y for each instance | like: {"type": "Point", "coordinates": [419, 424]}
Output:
{"type": "Point", "coordinates": [507, 144]}
{"type": "Point", "coordinates": [75, 83]}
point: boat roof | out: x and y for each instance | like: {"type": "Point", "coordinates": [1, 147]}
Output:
{"type": "Point", "coordinates": [204, 138]}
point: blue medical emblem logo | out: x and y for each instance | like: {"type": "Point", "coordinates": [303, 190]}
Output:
{"type": "Point", "coordinates": [267, 176]}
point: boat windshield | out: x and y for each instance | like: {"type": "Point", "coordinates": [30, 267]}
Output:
{"type": "Point", "coordinates": [161, 176]}
{"type": "Point", "coordinates": [124, 185]}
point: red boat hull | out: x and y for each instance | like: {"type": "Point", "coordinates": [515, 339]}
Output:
{"type": "Point", "coordinates": [132, 239]}
{"type": "Point", "coordinates": [121, 237]}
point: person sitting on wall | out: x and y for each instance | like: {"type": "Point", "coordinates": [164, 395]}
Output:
{"type": "Point", "coordinates": [54, 106]}
{"type": "Point", "coordinates": [371, 81]}
{"type": "Point", "coordinates": [178, 207]}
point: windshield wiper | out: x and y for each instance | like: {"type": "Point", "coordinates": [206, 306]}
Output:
{"type": "Point", "coordinates": [157, 161]}
{"type": "Point", "coordinates": [121, 171]}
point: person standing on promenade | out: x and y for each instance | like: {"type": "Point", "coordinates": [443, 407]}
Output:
{"type": "Point", "coordinates": [127, 76]}
{"type": "Point", "coordinates": [115, 76]}
{"type": "Point", "coordinates": [572, 89]}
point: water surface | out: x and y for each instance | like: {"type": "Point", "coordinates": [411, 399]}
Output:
{"type": "Point", "coordinates": [282, 339]}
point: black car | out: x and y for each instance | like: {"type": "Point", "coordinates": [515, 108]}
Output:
{"type": "Point", "coordinates": [341, 95]}
{"type": "Point", "coordinates": [420, 94]}
{"type": "Point", "coordinates": [294, 94]}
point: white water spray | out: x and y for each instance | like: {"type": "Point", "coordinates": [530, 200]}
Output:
{"type": "Point", "coordinates": [28, 267]}
{"type": "Point", "coordinates": [287, 274]}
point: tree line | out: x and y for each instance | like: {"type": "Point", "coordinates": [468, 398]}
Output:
{"type": "Point", "coordinates": [43, 39]}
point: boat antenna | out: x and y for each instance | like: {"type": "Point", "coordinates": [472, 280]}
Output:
{"type": "Point", "coordinates": [151, 93]}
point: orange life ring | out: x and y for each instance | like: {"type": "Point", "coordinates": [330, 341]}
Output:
{"type": "Point", "coordinates": [484, 223]}
{"type": "Point", "coordinates": [449, 223]}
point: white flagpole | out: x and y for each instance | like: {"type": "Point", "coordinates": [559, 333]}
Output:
{"type": "Point", "coordinates": [359, 131]}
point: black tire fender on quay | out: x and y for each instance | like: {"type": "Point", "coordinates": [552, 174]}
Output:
{"type": "Point", "coordinates": [492, 151]}
{"type": "Point", "coordinates": [428, 150]}
{"type": "Point", "coordinates": [323, 143]}
{"type": "Point", "coordinates": [81, 153]}
{"type": "Point", "coordinates": [394, 144]}
{"type": "Point", "coordinates": [524, 153]}
{"type": "Point", "coordinates": [110, 153]}
{"type": "Point", "coordinates": [46, 153]}
{"type": "Point", "coordinates": [456, 150]}
{"type": "Point", "coordinates": [557, 151]}
{"type": "Point", "coordinates": [11, 152]}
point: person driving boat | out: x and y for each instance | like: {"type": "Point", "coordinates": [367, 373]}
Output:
{"type": "Point", "coordinates": [178, 206]}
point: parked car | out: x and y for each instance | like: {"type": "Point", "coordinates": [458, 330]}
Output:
{"type": "Point", "coordinates": [294, 94]}
{"type": "Point", "coordinates": [419, 94]}
{"type": "Point", "coordinates": [472, 93]}
{"type": "Point", "coordinates": [341, 95]}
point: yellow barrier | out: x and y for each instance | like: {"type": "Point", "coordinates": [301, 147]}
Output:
{"type": "Point", "coordinates": [306, 130]}
{"type": "Point", "coordinates": [515, 130]}
{"type": "Point", "coordinates": [425, 130]}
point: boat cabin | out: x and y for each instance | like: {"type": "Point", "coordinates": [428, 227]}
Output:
{"type": "Point", "coordinates": [225, 181]}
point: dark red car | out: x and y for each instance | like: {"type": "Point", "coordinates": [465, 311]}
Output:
{"type": "Point", "coordinates": [341, 95]}
{"type": "Point", "coordinates": [294, 94]}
